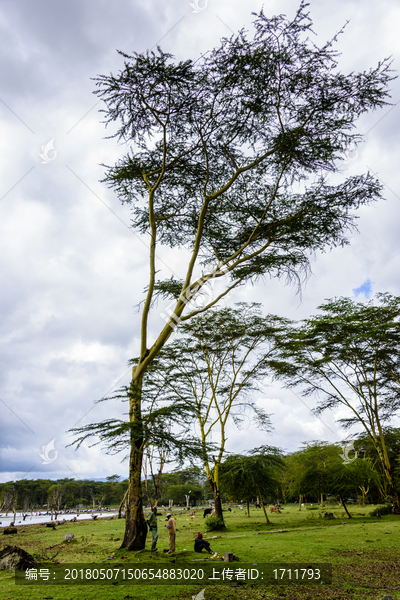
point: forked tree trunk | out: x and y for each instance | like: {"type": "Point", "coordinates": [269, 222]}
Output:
{"type": "Point", "coordinates": [135, 524]}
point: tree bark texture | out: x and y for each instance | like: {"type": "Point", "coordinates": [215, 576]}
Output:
{"type": "Point", "coordinates": [135, 524]}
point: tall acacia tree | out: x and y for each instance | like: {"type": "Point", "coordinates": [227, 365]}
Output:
{"type": "Point", "coordinates": [349, 356]}
{"type": "Point", "coordinates": [230, 154]}
{"type": "Point", "coordinates": [212, 367]}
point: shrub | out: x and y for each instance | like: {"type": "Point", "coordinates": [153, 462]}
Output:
{"type": "Point", "coordinates": [215, 524]}
{"type": "Point", "coordinates": [381, 510]}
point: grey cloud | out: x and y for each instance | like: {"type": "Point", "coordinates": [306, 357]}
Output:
{"type": "Point", "coordinates": [71, 271]}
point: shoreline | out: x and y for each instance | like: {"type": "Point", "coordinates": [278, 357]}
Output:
{"type": "Point", "coordinates": [61, 519]}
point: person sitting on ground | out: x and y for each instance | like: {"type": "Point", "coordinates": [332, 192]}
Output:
{"type": "Point", "coordinates": [199, 544]}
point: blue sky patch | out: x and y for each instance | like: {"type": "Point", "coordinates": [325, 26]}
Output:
{"type": "Point", "coordinates": [365, 288]}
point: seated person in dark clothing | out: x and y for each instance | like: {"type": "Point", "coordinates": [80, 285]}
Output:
{"type": "Point", "coordinates": [199, 544]}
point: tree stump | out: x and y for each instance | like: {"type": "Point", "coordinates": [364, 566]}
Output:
{"type": "Point", "coordinates": [228, 556]}
{"type": "Point", "coordinates": [12, 557]}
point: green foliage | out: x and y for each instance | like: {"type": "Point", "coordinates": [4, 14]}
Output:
{"type": "Point", "coordinates": [349, 356]}
{"type": "Point", "coordinates": [244, 121]}
{"type": "Point", "coordinates": [178, 493]}
{"type": "Point", "coordinates": [349, 347]}
{"type": "Point", "coordinates": [215, 524]}
{"type": "Point", "coordinates": [381, 510]}
{"type": "Point", "coordinates": [245, 477]}
{"type": "Point", "coordinates": [320, 470]}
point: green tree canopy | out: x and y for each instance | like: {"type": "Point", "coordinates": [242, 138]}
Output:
{"type": "Point", "coordinates": [323, 471]}
{"type": "Point", "coordinates": [253, 475]}
{"type": "Point", "coordinates": [349, 356]}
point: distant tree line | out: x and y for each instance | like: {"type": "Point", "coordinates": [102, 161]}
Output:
{"type": "Point", "coordinates": [40, 493]}
{"type": "Point", "coordinates": [319, 472]}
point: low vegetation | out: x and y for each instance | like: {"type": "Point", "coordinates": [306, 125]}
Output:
{"type": "Point", "coordinates": [364, 552]}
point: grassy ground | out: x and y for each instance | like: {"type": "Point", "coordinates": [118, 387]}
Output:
{"type": "Point", "coordinates": [364, 551]}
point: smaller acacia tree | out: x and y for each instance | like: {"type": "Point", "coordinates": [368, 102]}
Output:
{"type": "Point", "coordinates": [253, 475]}
{"type": "Point", "coordinates": [212, 368]}
{"type": "Point", "coordinates": [313, 476]}
{"type": "Point", "coordinates": [323, 472]}
{"type": "Point", "coordinates": [349, 356]}
{"type": "Point", "coordinates": [154, 460]}
{"type": "Point", "coordinates": [366, 447]}
{"type": "Point", "coordinates": [290, 478]}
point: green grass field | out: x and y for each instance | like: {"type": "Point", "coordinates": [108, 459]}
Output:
{"type": "Point", "coordinates": [364, 552]}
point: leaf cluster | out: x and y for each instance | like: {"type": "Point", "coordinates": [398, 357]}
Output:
{"type": "Point", "coordinates": [348, 355]}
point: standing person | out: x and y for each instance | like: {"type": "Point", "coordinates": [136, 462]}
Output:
{"type": "Point", "coordinates": [171, 526]}
{"type": "Point", "coordinates": [152, 523]}
{"type": "Point", "coordinates": [199, 544]}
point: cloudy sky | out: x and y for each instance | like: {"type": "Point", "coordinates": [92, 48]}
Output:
{"type": "Point", "coordinates": [71, 268]}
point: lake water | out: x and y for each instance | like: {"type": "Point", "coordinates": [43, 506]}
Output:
{"type": "Point", "coordinates": [33, 519]}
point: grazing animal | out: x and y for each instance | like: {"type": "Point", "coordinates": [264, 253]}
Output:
{"type": "Point", "coordinates": [207, 511]}
{"type": "Point", "coordinates": [274, 509]}
{"type": "Point", "coordinates": [257, 505]}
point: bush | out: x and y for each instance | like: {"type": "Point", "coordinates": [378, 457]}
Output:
{"type": "Point", "coordinates": [215, 524]}
{"type": "Point", "coordinates": [381, 510]}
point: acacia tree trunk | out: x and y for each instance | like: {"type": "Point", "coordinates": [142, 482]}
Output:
{"type": "Point", "coordinates": [217, 498]}
{"type": "Point", "coordinates": [345, 507]}
{"type": "Point", "coordinates": [364, 493]}
{"type": "Point", "coordinates": [146, 485]}
{"type": "Point", "coordinates": [263, 507]}
{"type": "Point", "coordinates": [378, 439]}
{"type": "Point", "coordinates": [120, 506]}
{"type": "Point", "coordinates": [396, 501]}
{"type": "Point", "coordinates": [135, 524]}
